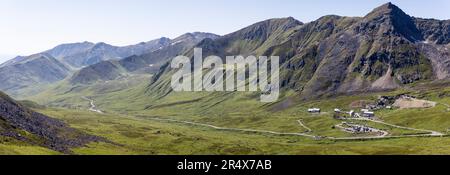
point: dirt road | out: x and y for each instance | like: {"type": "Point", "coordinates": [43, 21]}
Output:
{"type": "Point", "coordinates": [383, 136]}
{"type": "Point", "coordinates": [93, 108]}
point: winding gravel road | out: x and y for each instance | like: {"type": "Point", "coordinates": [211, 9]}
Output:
{"type": "Point", "coordinates": [232, 129]}
{"type": "Point", "coordinates": [304, 126]}
{"type": "Point", "coordinates": [93, 108]}
{"type": "Point", "coordinates": [432, 133]}
{"type": "Point", "coordinates": [383, 136]}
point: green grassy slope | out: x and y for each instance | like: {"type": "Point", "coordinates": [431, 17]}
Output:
{"type": "Point", "coordinates": [10, 146]}
{"type": "Point", "coordinates": [129, 121]}
{"type": "Point", "coordinates": [141, 136]}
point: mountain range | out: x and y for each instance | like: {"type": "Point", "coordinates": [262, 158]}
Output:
{"type": "Point", "coordinates": [384, 50]}
{"type": "Point", "coordinates": [29, 72]}
{"type": "Point", "coordinates": [149, 62]}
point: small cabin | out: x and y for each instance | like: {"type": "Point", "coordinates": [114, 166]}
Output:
{"type": "Point", "coordinates": [314, 110]}
{"type": "Point", "coordinates": [365, 110]}
{"type": "Point", "coordinates": [368, 114]}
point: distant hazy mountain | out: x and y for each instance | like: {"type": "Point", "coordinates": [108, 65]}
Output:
{"type": "Point", "coordinates": [152, 61]}
{"type": "Point", "coordinates": [149, 62]}
{"type": "Point", "coordinates": [62, 61]}
{"type": "Point", "coordinates": [65, 50]}
{"type": "Point", "coordinates": [23, 72]}
{"type": "Point", "coordinates": [105, 70]}
{"type": "Point", "coordinates": [384, 50]}
{"type": "Point", "coordinates": [12, 61]}
{"type": "Point", "coordinates": [84, 54]}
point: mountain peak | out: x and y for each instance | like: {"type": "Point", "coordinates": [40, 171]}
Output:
{"type": "Point", "coordinates": [263, 29]}
{"type": "Point", "coordinates": [101, 45]}
{"type": "Point", "coordinates": [288, 20]}
{"type": "Point", "coordinates": [164, 39]}
{"type": "Point", "coordinates": [392, 19]}
{"type": "Point", "coordinates": [199, 34]}
{"type": "Point", "coordinates": [195, 37]}
{"type": "Point", "coordinates": [387, 9]}
{"type": "Point", "coordinates": [389, 5]}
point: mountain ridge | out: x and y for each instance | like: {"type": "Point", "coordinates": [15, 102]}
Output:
{"type": "Point", "coordinates": [334, 54]}
{"type": "Point", "coordinates": [146, 63]}
{"type": "Point", "coordinates": [32, 70]}
{"type": "Point", "coordinates": [65, 60]}
{"type": "Point", "coordinates": [384, 50]}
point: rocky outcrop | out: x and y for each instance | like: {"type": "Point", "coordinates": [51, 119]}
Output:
{"type": "Point", "coordinates": [21, 123]}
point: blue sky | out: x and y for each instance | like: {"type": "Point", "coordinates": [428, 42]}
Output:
{"type": "Point", "coordinates": [30, 26]}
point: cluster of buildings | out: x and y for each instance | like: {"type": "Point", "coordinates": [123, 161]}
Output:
{"type": "Point", "coordinates": [358, 128]}
{"type": "Point", "coordinates": [364, 112]}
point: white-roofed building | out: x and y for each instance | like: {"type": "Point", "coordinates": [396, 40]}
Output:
{"type": "Point", "coordinates": [314, 110]}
